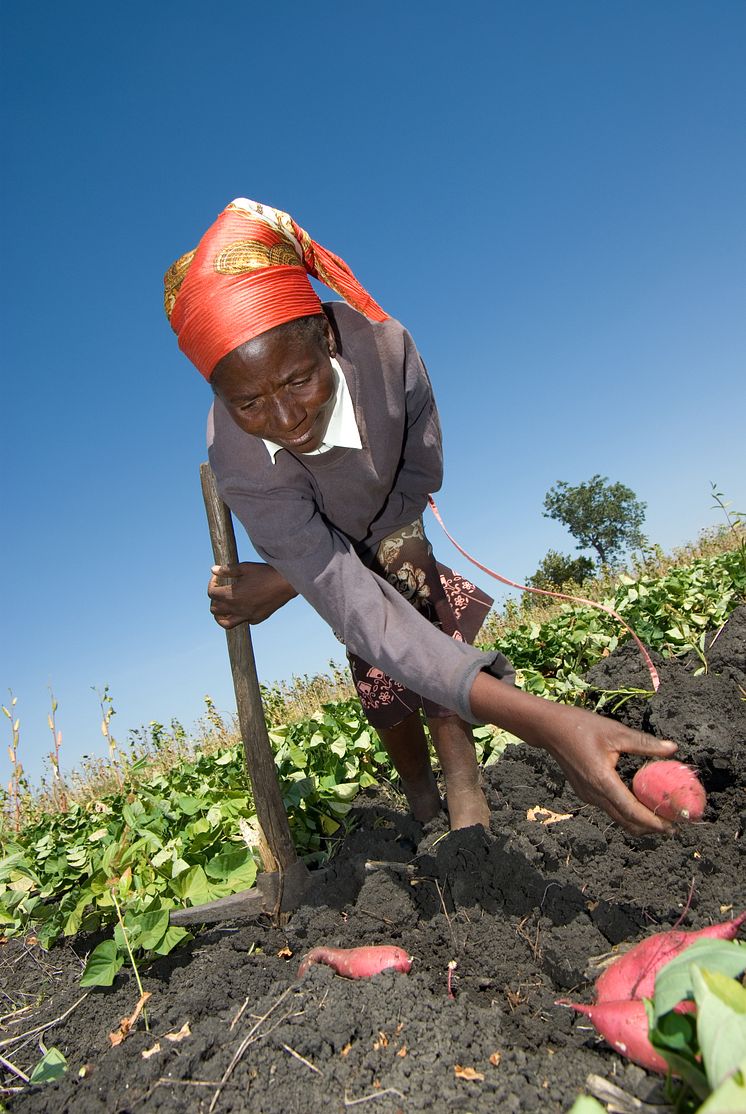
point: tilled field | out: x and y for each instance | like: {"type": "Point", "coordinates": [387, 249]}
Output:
{"type": "Point", "coordinates": [524, 911]}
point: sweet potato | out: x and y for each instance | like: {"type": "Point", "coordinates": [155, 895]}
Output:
{"type": "Point", "coordinates": [670, 790]}
{"type": "Point", "coordinates": [625, 1026]}
{"type": "Point", "coordinates": [633, 974]}
{"type": "Point", "coordinates": [358, 963]}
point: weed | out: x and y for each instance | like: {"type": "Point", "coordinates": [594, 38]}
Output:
{"type": "Point", "coordinates": [58, 786]}
{"type": "Point", "coordinates": [107, 713]}
{"type": "Point", "coordinates": [290, 701]}
{"type": "Point", "coordinates": [126, 881]}
{"type": "Point", "coordinates": [16, 777]}
{"type": "Point", "coordinates": [736, 521]}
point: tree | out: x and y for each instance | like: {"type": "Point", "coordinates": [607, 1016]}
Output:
{"type": "Point", "coordinates": [600, 515]}
{"type": "Point", "coordinates": [559, 569]}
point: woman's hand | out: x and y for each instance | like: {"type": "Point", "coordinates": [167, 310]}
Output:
{"type": "Point", "coordinates": [586, 747]}
{"type": "Point", "coordinates": [254, 592]}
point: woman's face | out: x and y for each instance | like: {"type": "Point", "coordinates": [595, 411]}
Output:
{"type": "Point", "coordinates": [280, 386]}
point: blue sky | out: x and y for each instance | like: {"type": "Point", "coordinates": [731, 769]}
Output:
{"type": "Point", "coordinates": [549, 196]}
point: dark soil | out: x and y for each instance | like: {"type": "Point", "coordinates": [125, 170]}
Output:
{"type": "Point", "coordinates": [522, 911]}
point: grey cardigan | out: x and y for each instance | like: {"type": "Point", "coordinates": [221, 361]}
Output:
{"type": "Point", "coordinates": [318, 519]}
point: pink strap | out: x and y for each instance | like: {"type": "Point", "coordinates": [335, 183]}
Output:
{"type": "Point", "coordinates": [557, 595]}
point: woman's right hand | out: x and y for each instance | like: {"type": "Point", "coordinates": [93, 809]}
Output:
{"type": "Point", "coordinates": [254, 592]}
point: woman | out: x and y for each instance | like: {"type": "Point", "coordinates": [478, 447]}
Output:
{"type": "Point", "coordinates": [325, 442]}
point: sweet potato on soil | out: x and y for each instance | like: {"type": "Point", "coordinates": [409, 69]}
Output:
{"type": "Point", "coordinates": [633, 974]}
{"type": "Point", "coordinates": [358, 963]}
{"type": "Point", "coordinates": [625, 1026]}
{"type": "Point", "coordinates": [670, 789]}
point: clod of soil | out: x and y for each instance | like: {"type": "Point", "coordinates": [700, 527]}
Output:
{"type": "Point", "coordinates": [521, 910]}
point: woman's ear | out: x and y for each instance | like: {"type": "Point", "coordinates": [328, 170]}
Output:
{"type": "Point", "coordinates": [331, 340]}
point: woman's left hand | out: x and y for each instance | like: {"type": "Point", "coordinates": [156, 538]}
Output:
{"type": "Point", "coordinates": [586, 746]}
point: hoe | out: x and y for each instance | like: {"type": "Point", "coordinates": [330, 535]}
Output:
{"type": "Point", "coordinates": [282, 888]}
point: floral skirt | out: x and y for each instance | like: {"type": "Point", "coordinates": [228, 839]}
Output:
{"type": "Point", "coordinates": [454, 605]}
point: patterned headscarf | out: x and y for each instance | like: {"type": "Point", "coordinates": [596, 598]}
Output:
{"type": "Point", "coordinates": [248, 274]}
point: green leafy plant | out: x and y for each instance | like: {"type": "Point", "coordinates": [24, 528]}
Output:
{"type": "Point", "coordinates": [104, 962]}
{"type": "Point", "coordinates": [670, 613]}
{"type": "Point", "coordinates": [706, 1049]}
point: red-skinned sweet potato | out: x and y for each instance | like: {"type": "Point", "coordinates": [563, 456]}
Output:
{"type": "Point", "coordinates": [358, 963]}
{"type": "Point", "coordinates": [625, 1026]}
{"type": "Point", "coordinates": [671, 790]}
{"type": "Point", "coordinates": [633, 974]}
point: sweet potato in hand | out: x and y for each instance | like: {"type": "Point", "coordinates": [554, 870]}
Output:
{"type": "Point", "coordinates": [670, 790]}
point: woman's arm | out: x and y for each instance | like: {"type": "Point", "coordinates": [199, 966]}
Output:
{"type": "Point", "coordinates": [586, 747]}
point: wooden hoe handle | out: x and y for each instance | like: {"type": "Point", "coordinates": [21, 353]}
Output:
{"type": "Point", "coordinates": [260, 761]}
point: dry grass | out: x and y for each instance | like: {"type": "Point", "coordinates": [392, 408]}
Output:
{"type": "Point", "coordinates": [150, 751]}
{"type": "Point", "coordinates": [290, 701]}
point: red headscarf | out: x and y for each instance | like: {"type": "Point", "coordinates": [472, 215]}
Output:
{"type": "Point", "coordinates": [248, 274]}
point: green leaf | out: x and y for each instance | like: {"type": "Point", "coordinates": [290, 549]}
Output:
{"type": "Point", "coordinates": [152, 926]}
{"type": "Point", "coordinates": [197, 828]}
{"type": "Point", "coordinates": [172, 936]}
{"type": "Point", "coordinates": [189, 805]}
{"type": "Point", "coordinates": [133, 814]}
{"type": "Point", "coordinates": [685, 1067]}
{"type": "Point", "coordinates": [729, 991]}
{"type": "Point", "coordinates": [721, 1023]}
{"type": "Point", "coordinates": [236, 868]}
{"type": "Point", "coordinates": [730, 1097]}
{"type": "Point", "coordinates": [298, 756]}
{"type": "Point", "coordinates": [586, 1105]}
{"type": "Point", "coordinates": [77, 857]}
{"type": "Point", "coordinates": [51, 1066]}
{"type": "Point", "coordinates": [340, 745]}
{"type": "Point", "coordinates": [75, 917]}
{"type": "Point", "coordinates": [192, 886]}
{"type": "Point", "coordinates": [103, 964]}
{"type": "Point", "coordinates": [674, 981]}
{"type": "Point", "coordinates": [338, 807]}
{"type": "Point", "coordinates": [676, 1031]}
{"type": "Point", "coordinates": [346, 790]}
